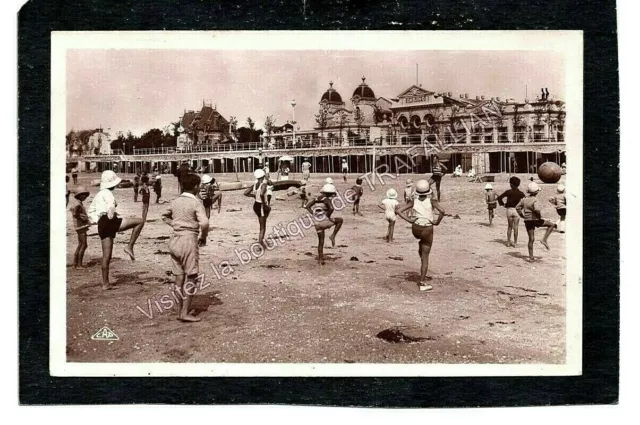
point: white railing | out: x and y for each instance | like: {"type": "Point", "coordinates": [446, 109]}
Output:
{"type": "Point", "coordinates": [336, 142]}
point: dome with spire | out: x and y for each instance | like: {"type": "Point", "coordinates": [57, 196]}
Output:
{"type": "Point", "coordinates": [363, 91]}
{"type": "Point", "coordinates": [331, 95]}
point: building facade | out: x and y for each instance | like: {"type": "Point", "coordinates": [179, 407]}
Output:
{"type": "Point", "coordinates": [204, 127]}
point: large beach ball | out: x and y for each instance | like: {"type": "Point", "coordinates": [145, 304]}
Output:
{"type": "Point", "coordinates": [550, 172]}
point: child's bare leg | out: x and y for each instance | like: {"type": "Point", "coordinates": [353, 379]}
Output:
{"type": "Point", "coordinates": [424, 258]}
{"type": "Point", "coordinates": [516, 223]}
{"type": "Point", "coordinates": [532, 239]}
{"type": "Point", "coordinates": [320, 247]}
{"type": "Point", "coordinates": [188, 292]}
{"type": "Point", "coordinates": [509, 229]}
{"type": "Point", "coordinates": [136, 224]}
{"type": "Point", "coordinates": [219, 195]}
{"type": "Point", "coordinates": [336, 229]}
{"type": "Point", "coordinates": [107, 248]}
{"type": "Point", "coordinates": [82, 239]}
{"type": "Point", "coordinates": [392, 225]}
{"type": "Point", "coordinates": [76, 253]}
{"type": "Point", "coordinates": [438, 189]}
{"type": "Point", "coordinates": [550, 226]}
{"type": "Point", "coordinates": [263, 228]}
{"type": "Point", "coordinates": [207, 211]}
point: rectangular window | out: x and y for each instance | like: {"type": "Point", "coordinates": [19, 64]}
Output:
{"type": "Point", "coordinates": [503, 135]}
{"type": "Point", "coordinates": [488, 135]}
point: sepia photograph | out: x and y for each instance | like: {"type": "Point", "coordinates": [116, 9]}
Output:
{"type": "Point", "coordinates": [316, 203]}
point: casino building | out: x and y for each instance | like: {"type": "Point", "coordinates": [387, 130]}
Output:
{"type": "Point", "coordinates": [489, 133]}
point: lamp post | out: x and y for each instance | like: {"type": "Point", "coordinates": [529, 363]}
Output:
{"type": "Point", "coordinates": [293, 105]}
{"type": "Point", "coordinates": [134, 161]}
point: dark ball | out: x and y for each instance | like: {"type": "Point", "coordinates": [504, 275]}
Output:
{"type": "Point", "coordinates": [550, 172]}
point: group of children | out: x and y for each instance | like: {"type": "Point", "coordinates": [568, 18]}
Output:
{"type": "Point", "coordinates": [526, 207]}
{"type": "Point", "coordinates": [189, 215]}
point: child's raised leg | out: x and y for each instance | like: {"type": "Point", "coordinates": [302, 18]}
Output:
{"type": "Point", "coordinates": [550, 226]}
{"type": "Point", "coordinates": [136, 224]}
{"type": "Point", "coordinates": [107, 248]}
{"type": "Point", "coordinates": [217, 198]}
{"type": "Point", "coordinates": [338, 224]}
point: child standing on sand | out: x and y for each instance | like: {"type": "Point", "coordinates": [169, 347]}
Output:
{"type": "Point", "coordinates": [345, 169]}
{"type": "Point", "coordinates": [269, 190]}
{"type": "Point", "coordinates": [146, 195]}
{"type": "Point", "coordinates": [103, 212]}
{"type": "Point", "coordinates": [422, 225]}
{"type": "Point", "coordinates": [358, 191]}
{"type": "Point", "coordinates": [82, 223]}
{"type": "Point", "coordinates": [560, 202]}
{"type": "Point", "coordinates": [258, 191]}
{"type": "Point", "coordinates": [190, 225]}
{"type": "Point", "coordinates": [408, 191]}
{"type": "Point", "coordinates": [529, 209]}
{"type": "Point", "coordinates": [303, 193]}
{"type": "Point", "coordinates": [216, 194]}
{"type": "Point", "coordinates": [491, 200]}
{"type": "Point", "coordinates": [136, 187]}
{"type": "Point", "coordinates": [321, 208]}
{"type": "Point", "coordinates": [157, 188]}
{"type": "Point", "coordinates": [389, 205]}
{"type": "Point", "coordinates": [206, 194]}
{"type": "Point", "coordinates": [513, 196]}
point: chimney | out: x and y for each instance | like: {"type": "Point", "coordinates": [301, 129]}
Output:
{"type": "Point", "coordinates": [477, 97]}
{"type": "Point", "coordinates": [498, 99]}
{"type": "Point", "coordinates": [461, 96]}
{"type": "Point", "coordinates": [466, 95]}
{"type": "Point", "coordinates": [482, 97]}
{"type": "Point", "coordinates": [493, 98]}
{"type": "Point", "coordinates": [449, 94]}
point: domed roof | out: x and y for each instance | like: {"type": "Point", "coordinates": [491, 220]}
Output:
{"type": "Point", "coordinates": [331, 95]}
{"type": "Point", "coordinates": [364, 91]}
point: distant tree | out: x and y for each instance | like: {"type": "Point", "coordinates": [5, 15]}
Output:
{"type": "Point", "coordinates": [269, 124]}
{"type": "Point", "coordinates": [153, 138]}
{"type": "Point", "coordinates": [233, 128]}
{"type": "Point", "coordinates": [246, 134]}
{"type": "Point", "coordinates": [251, 124]}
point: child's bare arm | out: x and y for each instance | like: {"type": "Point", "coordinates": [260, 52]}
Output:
{"type": "Point", "coordinates": [201, 216]}
{"type": "Point", "coordinates": [401, 211]}
{"type": "Point", "coordinates": [435, 204]}
{"type": "Point", "coordinates": [167, 216]}
{"type": "Point", "coordinates": [519, 208]}
{"type": "Point", "coordinates": [309, 204]}
{"type": "Point", "coordinates": [249, 191]}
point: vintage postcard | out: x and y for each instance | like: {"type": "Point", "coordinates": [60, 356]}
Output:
{"type": "Point", "coordinates": [316, 203]}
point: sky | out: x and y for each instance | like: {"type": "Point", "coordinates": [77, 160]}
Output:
{"type": "Point", "coordinates": [137, 90]}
